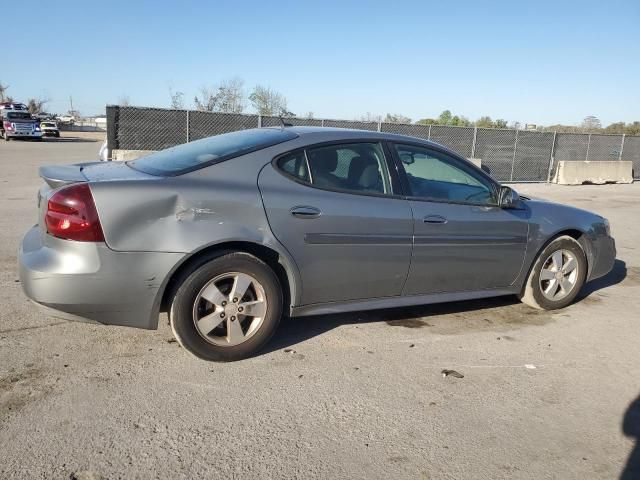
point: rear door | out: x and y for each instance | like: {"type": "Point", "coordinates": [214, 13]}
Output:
{"type": "Point", "coordinates": [463, 241]}
{"type": "Point", "coordinates": [334, 207]}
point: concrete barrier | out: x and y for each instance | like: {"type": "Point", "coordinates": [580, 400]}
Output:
{"type": "Point", "coordinates": [126, 155]}
{"type": "Point", "coordinates": [476, 161]}
{"type": "Point", "coordinates": [577, 173]}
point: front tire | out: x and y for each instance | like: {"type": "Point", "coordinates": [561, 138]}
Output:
{"type": "Point", "coordinates": [557, 275]}
{"type": "Point", "coordinates": [228, 308]}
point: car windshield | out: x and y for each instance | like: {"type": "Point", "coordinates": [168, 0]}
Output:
{"type": "Point", "coordinates": [48, 124]}
{"type": "Point", "coordinates": [207, 151]}
{"type": "Point", "coordinates": [19, 116]}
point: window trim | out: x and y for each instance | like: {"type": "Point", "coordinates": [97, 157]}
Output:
{"type": "Point", "coordinates": [455, 160]}
{"type": "Point", "coordinates": [394, 181]}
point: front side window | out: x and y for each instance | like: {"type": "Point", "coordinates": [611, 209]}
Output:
{"type": "Point", "coordinates": [435, 176]}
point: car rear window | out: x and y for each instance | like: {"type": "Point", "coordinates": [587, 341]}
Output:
{"type": "Point", "coordinates": [193, 155]}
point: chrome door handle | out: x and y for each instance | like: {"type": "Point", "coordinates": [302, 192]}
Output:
{"type": "Point", "coordinates": [305, 212]}
{"type": "Point", "coordinates": [434, 219]}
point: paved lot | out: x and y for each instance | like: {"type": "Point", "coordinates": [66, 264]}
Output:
{"type": "Point", "coordinates": [358, 395]}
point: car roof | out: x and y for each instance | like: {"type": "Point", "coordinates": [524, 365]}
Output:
{"type": "Point", "coordinates": [314, 134]}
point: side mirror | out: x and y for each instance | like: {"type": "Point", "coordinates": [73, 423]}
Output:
{"type": "Point", "coordinates": [509, 198]}
{"type": "Point", "coordinates": [407, 158]}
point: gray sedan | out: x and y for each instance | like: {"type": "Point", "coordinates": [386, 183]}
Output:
{"type": "Point", "coordinates": [232, 232]}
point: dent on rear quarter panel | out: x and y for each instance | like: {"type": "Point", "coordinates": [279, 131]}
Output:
{"type": "Point", "coordinates": [187, 213]}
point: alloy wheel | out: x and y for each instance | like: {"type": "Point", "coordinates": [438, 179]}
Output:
{"type": "Point", "coordinates": [229, 309]}
{"type": "Point", "coordinates": [559, 275]}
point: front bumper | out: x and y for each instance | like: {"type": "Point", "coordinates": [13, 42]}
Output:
{"type": "Point", "coordinates": [85, 280]}
{"type": "Point", "coordinates": [23, 134]}
{"type": "Point", "coordinates": [50, 133]}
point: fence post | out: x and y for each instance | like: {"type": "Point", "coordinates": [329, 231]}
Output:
{"type": "Point", "coordinates": [621, 148]}
{"type": "Point", "coordinates": [513, 160]}
{"type": "Point", "coordinates": [586, 158]}
{"type": "Point", "coordinates": [429, 134]}
{"type": "Point", "coordinates": [113, 129]}
{"type": "Point", "coordinates": [552, 158]}
{"type": "Point", "coordinates": [259, 121]}
{"type": "Point", "coordinates": [322, 122]}
{"type": "Point", "coordinates": [473, 145]}
{"type": "Point", "coordinates": [379, 125]}
{"type": "Point", "coordinates": [187, 126]}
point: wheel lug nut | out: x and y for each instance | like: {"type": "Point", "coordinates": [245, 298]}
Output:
{"type": "Point", "coordinates": [235, 300]}
{"type": "Point", "coordinates": [222, 315]}
{"type": "Point", "coordinates": [224, 303]}
{"type": "Point", "coordinates": [233, 319]}
{"type": "Point", "coordinates": [240, 309]}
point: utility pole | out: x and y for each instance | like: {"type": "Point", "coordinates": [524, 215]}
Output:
{"type": "Point", "coordinates": [71, 103]}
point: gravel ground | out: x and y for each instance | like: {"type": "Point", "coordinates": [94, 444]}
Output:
{"type": "Point", "coordinates": [344, 396]}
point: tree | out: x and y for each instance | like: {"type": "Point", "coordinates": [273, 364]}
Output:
{"type": "Point", "coordinates": [460, 121]}
{"type": "Point", "coordinates": [228, 97]}
{"type": "Point", "coordinates": [124, 100]}
{"type": "Point", "coordinates": [500, 123]}
{"type": "Point", "coordinates": [396, 118]}
{"type": "Point", "coordinates": [445, 118]}
{"type": "Point", "coordinates": [3, 91]}
{"type": "Point", "coordinates": [484, 122]}
{"type": "Point", "coordinates": [36, 105]}
{"type": "Point", "coordinates": [269, 102]}
{"type": "Point", "coordinates": [618, 127]}
{"type": "Point", "coordinates": [591, 123]}
{"type": "Point", "coordinates": [632, 128]}
{"type": "Point", "coordinates": [177, 99]}
{"type": "Point", "coordinates": [426, 121]}
{"type": "Point", "coordinates": [370, 117]}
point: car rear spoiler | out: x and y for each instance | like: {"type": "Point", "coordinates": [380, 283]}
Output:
{"type": "Point", "coordinates": [59, 175]}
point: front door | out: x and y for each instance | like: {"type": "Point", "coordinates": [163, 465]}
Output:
{"type": "Point", "coordinates": [463, 241]}
{"type": "Point", "coordinates": [333, 207]}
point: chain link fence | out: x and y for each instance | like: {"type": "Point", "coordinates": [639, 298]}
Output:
{"type": "Point", "coordinates": [509, 155]}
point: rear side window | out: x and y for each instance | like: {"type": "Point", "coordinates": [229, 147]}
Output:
{"type": "Point", "coordinates": [295, 164]}
{"type": "Point", "coordinates": [355, 168]}
{"type": "Point", "coordinates": [193, 155]}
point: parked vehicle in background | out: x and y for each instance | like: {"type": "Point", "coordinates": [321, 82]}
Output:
{"type": "Point", "coordinates": [229, 233]}
{"type": "Point", "coordinates": [19, 124]}
{"type": "Point", "coordinates": [13, 106]}
{"type": "Point", "coordinates": [66, 119]}
{"type": "Point", "coordinates": [49, 129]}
{"type": "Point", "coordinates": [43, 116]}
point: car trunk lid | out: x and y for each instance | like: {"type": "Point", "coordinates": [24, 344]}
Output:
{"type": "Point", "coordinates": [56, 176]}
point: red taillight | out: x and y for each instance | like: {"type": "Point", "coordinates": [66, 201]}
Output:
{"type": "Point", "coordinates": [72, 214]}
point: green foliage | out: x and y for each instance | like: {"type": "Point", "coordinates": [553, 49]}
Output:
{"type": "Point", "coordinates": [396, 118]}
{"type": "Point", "coordinates": [269, 102]}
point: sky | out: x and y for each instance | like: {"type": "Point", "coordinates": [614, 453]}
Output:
{"type": "Point", "coordinates": [542, 62]}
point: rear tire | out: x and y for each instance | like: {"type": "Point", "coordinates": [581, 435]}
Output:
{"type": "Point", "coordinates": [557, 275]}
{"type": "Point", "coordinates": [227, 309]}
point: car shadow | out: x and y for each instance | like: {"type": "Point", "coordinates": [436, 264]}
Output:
{"type": "Point", "coordinates": [296, 330]}
{"type": "Point", "coordinates": [617, 274]}
{"type": "Point", "coordinates": [631, 428]}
